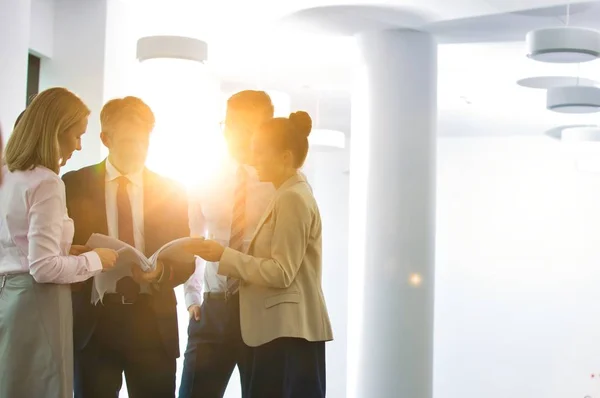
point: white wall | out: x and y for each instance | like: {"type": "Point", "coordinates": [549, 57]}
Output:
{"type": "Point", "coordinates": [326, 173]}
{"type": "Point", "coordinates": [120, 53]}
{"type": "Point", "coordinates": [77, 63]}
{"type": "Point", "coordinates": [41, 39]}
{"type": "Point", "coordinates": [331, 191]}
{"type": "Point", "coordinates": [14, 24]}
{"type": "Point", "coordinates": [518, 254]}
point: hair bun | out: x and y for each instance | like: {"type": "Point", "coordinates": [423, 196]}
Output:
{"type": "Point", "coordinates": [302, 121]}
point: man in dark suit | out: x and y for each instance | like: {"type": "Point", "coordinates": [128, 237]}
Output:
{"type": "Point", "coordinates": [133, 330]}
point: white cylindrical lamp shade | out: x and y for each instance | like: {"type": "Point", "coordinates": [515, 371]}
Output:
{"type": "Point", "coordinates": [581, 134]}
{"type": "Point", "coordinates": [563, 44]}
{"type": "Point", "coordinates": [171, 47]}
{"type": "Point", "coordinates": [573, 99]}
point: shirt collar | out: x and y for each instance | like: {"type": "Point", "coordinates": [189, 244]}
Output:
{"type": "Point", "coordinates": [112, 174]}
{"type": "Point", "coordinates": [234, 165]}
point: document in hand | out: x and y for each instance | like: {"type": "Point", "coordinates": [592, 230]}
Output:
{"type": "Point", "coordinates": [178, 250]}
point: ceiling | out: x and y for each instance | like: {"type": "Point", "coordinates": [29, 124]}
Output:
{"type": "Point", "coordinates": [306, 49]}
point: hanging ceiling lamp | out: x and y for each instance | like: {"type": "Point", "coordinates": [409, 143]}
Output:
{"type": "Point", "coordinates": [565, 44]}
{"type": "Point", "coordinates": [582, 142]}
{"type": "Point", "coordinates": [573, 99]}
{"type": "Point", "coordinates": [575, 132]}
{"type": "Point", "coordinates": [171, 47]}
{"type": "Point", "coordinates": [581, 134]}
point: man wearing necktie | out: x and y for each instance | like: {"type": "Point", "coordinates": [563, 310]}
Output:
{"type": "Point", "coordinates": [228, 211]}
{"type": "Point", "coordinates": [133, 330]}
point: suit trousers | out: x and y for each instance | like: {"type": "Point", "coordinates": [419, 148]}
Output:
{"type": "Point", "coordinates": [214, 348]}
{"type": "Point", "coordinates": [126, 340]}
{"type": "Point", "coordinates": [287, 368]}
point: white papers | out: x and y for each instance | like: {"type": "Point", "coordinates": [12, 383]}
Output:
{"type": "Point", "coordinates": [129, 256]}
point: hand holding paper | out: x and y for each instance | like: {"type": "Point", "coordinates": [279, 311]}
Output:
{"type": "Point", "coordinates": [147, 277]}
{"type": "Point", "coordinates": [132, 262]}
{"type": "Point", "coordinates": [179, 250]}
{"type": "Point", "coordinates": [108, 258]}
{"type": "Point", "coordinates": [77, 250]}
{"type": "Point", "coordinates": [209, 250]}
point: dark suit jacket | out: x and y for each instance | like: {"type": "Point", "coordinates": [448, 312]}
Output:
{"type": "Point", "coordinates": [165, 219]}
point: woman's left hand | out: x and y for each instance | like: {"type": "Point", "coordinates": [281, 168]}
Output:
{"type": "Point", "coordinates": [78, 250]}
{"type": "Point", "coordinates": [209, 250]}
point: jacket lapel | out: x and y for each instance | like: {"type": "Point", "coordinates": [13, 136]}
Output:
{"type": "Point", "coordinates": [286, 185]}
{"type": "Point", "coordinates": [264, 218]}
{"type": "Point", "coordinates": [97, 189]}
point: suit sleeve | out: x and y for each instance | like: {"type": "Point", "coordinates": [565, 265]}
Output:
{"type": "Point", "coordinates": [174, 273]}
{"type": "Point", "coordinates": [293, 219]}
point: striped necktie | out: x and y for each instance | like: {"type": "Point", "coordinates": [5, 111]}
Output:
{"type": "Point", "coordinates": [238, 223]}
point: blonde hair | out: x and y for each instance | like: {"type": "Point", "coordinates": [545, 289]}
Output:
{"type": "Point", "coordinates": [34, 142]}
{"type": "Point", "coordinates": [128, 109]}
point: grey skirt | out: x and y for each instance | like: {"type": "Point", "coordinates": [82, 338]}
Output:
{"type": "Point", "coordinates": [36, 339]}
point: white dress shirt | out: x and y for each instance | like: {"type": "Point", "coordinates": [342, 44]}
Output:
{"type": "Point", "coordinates": [36, 232]}
{"type": "Point", "coordinates": [210, 215]}
{"type": "Point", "coordinates": [135, 190]}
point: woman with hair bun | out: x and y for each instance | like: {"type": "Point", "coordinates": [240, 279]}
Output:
{"type": "Point", "coordinates": [283, 316]}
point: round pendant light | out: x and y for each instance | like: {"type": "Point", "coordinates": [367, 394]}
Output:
{"type": "Point", "coordinates": [171, 47]}
{"type": "Point", "coordinates": [546, 82]}
{"type": "Point", "coordinates": [557, 132]}
{"type": "Point", "coordinates": [573, 99]}
{"type": "Point", "coordinates": [563, 44]}
{"type": "Point", "coordinates": [581, 134]}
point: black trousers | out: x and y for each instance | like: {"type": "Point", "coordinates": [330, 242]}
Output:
{"type": "Point", "coordinates": [126, 340]}
{"type": "Point", "coordinates": [287, 368]}
{"type": "Point", "coordinates": [214, 348]}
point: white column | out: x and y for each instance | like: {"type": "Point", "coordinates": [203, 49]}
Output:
{"type": "Point", "coordinates": [392, 216]}
{"type": "Point", "coordinates": [14, 48]}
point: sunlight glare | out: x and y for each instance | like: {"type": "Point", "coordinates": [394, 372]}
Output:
{"type": "Point", "coordinates": [282, 103]}
{"type": "Point", "coordinates": [187, 144]}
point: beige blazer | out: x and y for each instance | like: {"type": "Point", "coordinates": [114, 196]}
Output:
{"type": "Point", "coordinates": [280, 290]}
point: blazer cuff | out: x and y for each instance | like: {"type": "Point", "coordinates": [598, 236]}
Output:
{"type": "Point", "coordinates": [227, 263]}
{"type": "Point", "coordinates": [93, 260]}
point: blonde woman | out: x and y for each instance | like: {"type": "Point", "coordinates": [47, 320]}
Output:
{"type": "Point", "coordinates": [37, 261]}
